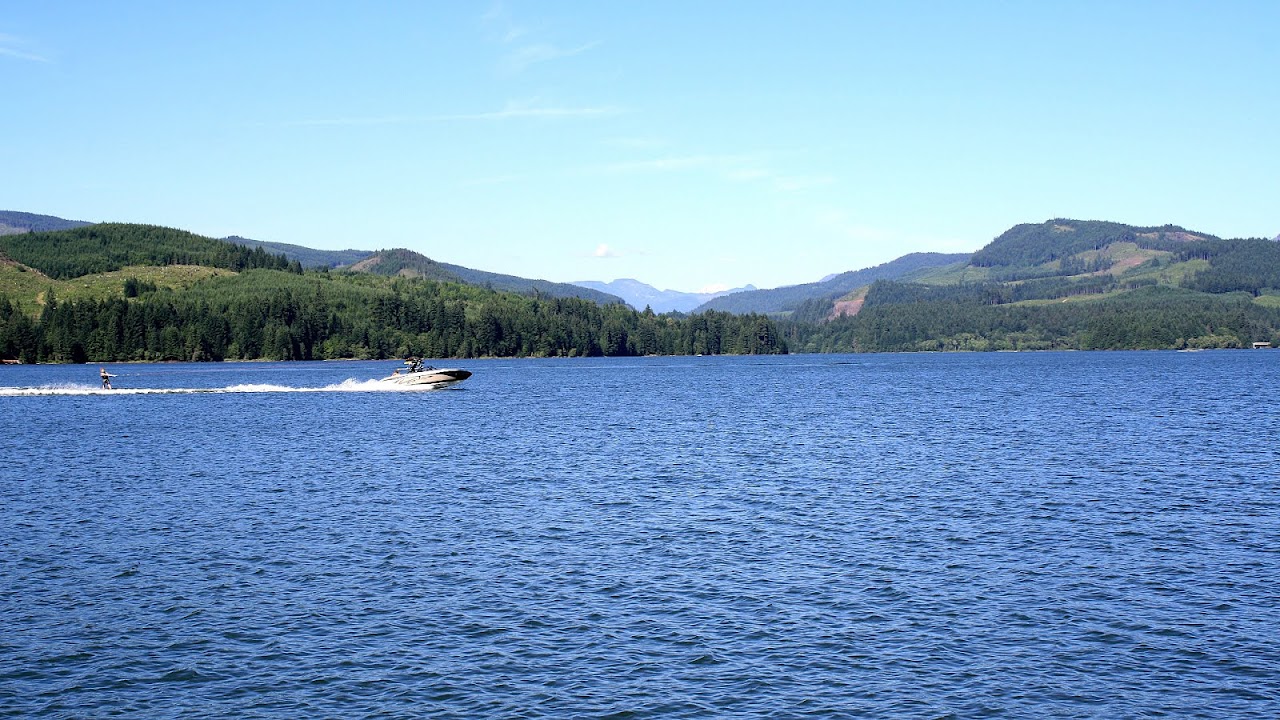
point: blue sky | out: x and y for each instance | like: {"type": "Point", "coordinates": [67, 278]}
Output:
{"type": "Point", "coordinates": [685, 144]}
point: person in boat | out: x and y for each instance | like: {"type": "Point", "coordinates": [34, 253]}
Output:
{"type": "Point", "coordinates": [106, 378]}
{"type": "Point", "coordinates": [414, 363]}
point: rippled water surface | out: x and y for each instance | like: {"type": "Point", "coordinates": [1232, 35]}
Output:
{"type": "Point", "coordinates": [899, 536]}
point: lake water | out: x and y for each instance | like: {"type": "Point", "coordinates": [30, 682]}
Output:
{"type": "Point", "coordinates": [898, 536]}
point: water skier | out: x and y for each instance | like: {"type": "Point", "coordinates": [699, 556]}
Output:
{"type": "Point", "coordinates": [106, 378]}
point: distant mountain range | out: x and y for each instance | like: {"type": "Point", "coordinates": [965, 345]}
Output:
{"type": "Point", "coordinates": [12, 223]}
{"type": "Point", "coordinates": [788, 299]}
{"type": "Point", "coordinates": [639, 295]}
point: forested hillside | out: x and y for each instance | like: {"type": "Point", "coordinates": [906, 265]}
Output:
{"type": "Point", "coordinates": [148, 293]}
{"type": "Point", "coordinates": [407, 263]}
{"type": "Point", "coordinates": [386, 262]}
{"type": "Point", "coordinates": [101, 248]}
{"type": "Point", "coordinates": [1067, 284]}
{"type": "Point", "coordinates": [789, 299]}
{"type": "Point", "coordinates": [403, 263]}
{"type": "Point", "coordinates": [1148, 318]}
{"type": "Point", "coordinates": [1030, 245]}
{"type": "Point", "coordinates": [308, 257]}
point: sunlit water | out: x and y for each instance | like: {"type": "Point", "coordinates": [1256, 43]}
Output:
{"type": "Point", "coordinates": [901, 536]}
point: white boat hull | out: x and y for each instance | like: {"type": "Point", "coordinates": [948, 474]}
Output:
{"type": "Point", "coordinates": [429, 379]}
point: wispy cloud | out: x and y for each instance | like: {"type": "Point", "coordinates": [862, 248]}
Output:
{"type": "Point", "coordinates": [797, 183]}
{"type": "Point", "coordinates": [498, 20]}
{"type": "Point", "coordinates": [11, 46]}
{"type": "Point", "coordinates": [604, 251]}
{"type": "Point", "coordinates": [671, 163]}
{"type": "Point", "coordinates": [841, 223]}
{"type": "Point", "coordinates": [492, 180]}
{"type": "Point", "coordinates": [747, 174]}
{"type": "Point", "coordinates": [748, 168]}
{"type": "Point", "coordinates": [514, 110]}
{"type": "Point", "coordinates": [523, 58]}
{"type": "Point", "coordinates": [636, 143]}
{"type": "Point", "coordinates": [527, 48]}
{"type": "Point", "coordinates": [354, 121]}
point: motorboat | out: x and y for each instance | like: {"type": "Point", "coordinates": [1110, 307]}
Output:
{"type": "Point", "coordinates": [425, 377]}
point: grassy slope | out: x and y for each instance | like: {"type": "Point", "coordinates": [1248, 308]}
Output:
{"type": "Point", "coordinates": [27, 287]}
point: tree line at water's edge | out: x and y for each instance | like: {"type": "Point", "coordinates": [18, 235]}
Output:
{"type": "Point", "coordinates": [279, 315]}
{"type": "Point", "coordinates": [1148, 318]}
{"type": "Point", "coordinates": [276, 315]}
{"type": "Point", "coordinates": [113, 293]}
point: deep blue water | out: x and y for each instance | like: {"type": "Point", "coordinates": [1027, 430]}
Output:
{"type": "Point", "coordinates": [898, 536]}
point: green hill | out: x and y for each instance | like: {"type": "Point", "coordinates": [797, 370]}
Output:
{"type": "Point", "coordinates": [399, 262]}
{"type": "Point", "coordinates": [794, 297]}
{"type": "Point", "coordinates": [1029, 246]}
{"type": "Point", "coordinates": [1072, 284]}
{"type": "Point", "coordinates": [310, 258]}
{"type": "Point", "coordinates": [65, 254]}
{"type": "Point", "coordinates": [407, 263]}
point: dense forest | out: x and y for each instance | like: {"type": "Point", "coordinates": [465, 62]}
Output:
{"type": "Point", "coordinates": [904, 318]}
{"type": "Point", "coordinates": [102, 248]}
{"type": "Point", "coordinates": [1029, 245]}
{"type": "Point", "coordinates": [278, 315]}
{"type": "Point", "coordinates": [267, 306]}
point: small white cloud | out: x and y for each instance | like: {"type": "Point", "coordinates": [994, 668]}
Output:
{"type": "Point", "coordinates": [604, 251]}
{"type": "Point", "coordinates": [712, 288]}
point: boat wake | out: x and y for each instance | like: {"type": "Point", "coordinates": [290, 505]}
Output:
{"type": "Point", "coordinates": [350, 385]}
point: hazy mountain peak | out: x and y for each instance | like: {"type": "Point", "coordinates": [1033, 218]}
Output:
{"type": "Point", "coordinates": [13, 222]}
{"type": "Point", "coordinates": [640, 295]}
